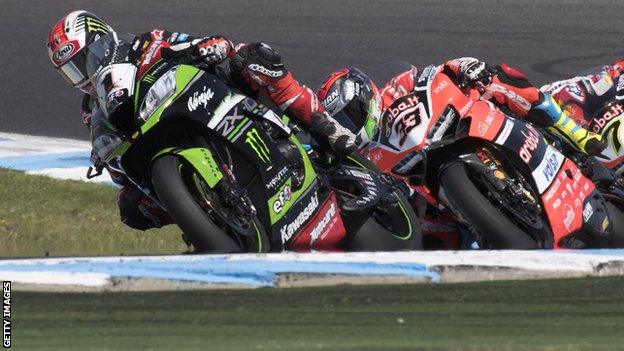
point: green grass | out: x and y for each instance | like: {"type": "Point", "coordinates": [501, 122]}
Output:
{"type": "Point", "coordinates": [43, 216]}
{"type": "Point", "coordinates": [572, 314]}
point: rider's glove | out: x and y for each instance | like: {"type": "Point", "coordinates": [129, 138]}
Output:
{"type": "Point", "coordinates": [96, 161]}
{"type": "Point", "coordinates": [213, 49]}
{"type": "Point", "coordinates": [340, 139]}
{"type": "Point", "coordinates": [473, 72]}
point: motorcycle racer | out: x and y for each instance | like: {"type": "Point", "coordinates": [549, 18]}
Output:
{"type": "Point", "coordinates": [594, 101]}
{"type": "Point", "coordinates": [255, 68]}
{"type": "Point", "coordinates": [583, 95]}
{"type": "Point", "coordinates": [504, 85]}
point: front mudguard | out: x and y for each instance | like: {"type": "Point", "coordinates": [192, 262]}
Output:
{"type": "Point", "coordinates": [201, 159]}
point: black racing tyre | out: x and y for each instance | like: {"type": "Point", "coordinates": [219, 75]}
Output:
{"type": "Point", "coordinates": [184, 209]}
{"type": "Point", "coordinates": [616, 217]}
{"type": "Point", "coordinates": [498, 230]}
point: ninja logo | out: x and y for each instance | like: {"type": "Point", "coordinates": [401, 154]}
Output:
{"type": "Point", "coordinates": [199, 98]}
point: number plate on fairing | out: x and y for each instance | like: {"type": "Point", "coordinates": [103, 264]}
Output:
{"type": "Point", "coordinates": [406, 122]}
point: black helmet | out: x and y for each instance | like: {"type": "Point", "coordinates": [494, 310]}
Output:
{"type": "Point", "coordinates": [352, 98]}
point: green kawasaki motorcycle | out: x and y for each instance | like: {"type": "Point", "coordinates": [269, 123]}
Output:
{"type": "Point", "coordinates": [232, 175]}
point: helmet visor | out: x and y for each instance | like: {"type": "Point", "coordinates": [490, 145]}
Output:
{"type": "Point", "coordinates": [74, 71]}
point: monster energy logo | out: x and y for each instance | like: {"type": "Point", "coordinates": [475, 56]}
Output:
{"type": "Point", "coordinates": [149, 79]}
{"type": "Point", "coordinates": [94, 25]}
{"type": "Point", "coordinates": [258, 145]}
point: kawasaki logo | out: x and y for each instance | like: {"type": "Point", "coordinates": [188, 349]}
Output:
{"type": "Point", "coordinates": [199, 99]}
{"type": "Point", "coordinates": [288, 230]}
{"type": "Point", "coordinates": [258, 145]}
{"type": "Point", "coordinates": [64, 52]}
{"type": "Point", "coordinates": [322, 225]}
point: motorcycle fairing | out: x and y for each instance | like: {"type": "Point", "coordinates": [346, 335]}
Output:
{"type": "Point", "coordinates": [306, 222]}
{"type": "Point", "coordinates": [325, 230]}
{"type": "Point", "coordinates": [562, 188]}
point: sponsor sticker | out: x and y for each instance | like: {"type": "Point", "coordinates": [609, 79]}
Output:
{"type": "Point", "coordinates": [283, 198]}
{"type": "Point", "coordinates": [568, 219]}
{"type": "Point", "coordinates": [289, 229]}
{"type": "Point", "coordinates": [531, 141]}
{"type": "Point", "coordinates": [588, 211]}
{"type": "Point", "coordinates": [64, 52]}
{"type": "Point", "coordinates": [548, 168]}
{"type": "Point", "coordinates": [200, 98]}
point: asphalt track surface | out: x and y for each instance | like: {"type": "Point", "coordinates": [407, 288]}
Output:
{"type": "Point", "coordinates": [548, 39]}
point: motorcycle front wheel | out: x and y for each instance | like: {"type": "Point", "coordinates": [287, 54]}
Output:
{"type": "Point", "coordinates": [498, 230]}
{"type": "Point", "coordinates": [198, 217]}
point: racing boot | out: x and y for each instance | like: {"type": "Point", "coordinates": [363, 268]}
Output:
{"type": "Point", "coordinates": [549, 114]}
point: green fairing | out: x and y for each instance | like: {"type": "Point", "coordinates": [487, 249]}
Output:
{"type": "Point", "coordinates": [184, 75]}
{"type": "Point", "coordinates": [202, 161]}
{"type": "Point", "coordinates": [119, 151]}
{"type": "Point", "coordinates": [310, 176]}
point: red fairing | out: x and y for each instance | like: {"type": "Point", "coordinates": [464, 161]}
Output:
{"type": "Point", "coordinates": [487, 120]}
{"type": "Point", "coordinates": [618, 66]}
{"type": "Point", "coordinates": [325, 231]}
{"type": "Point", "coordinates": [397, 87]}
{"type": "Point", "coordinates": [564, 199]}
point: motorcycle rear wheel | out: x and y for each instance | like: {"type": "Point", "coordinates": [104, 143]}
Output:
{"type": "Point", "coordinates": [498, 230]}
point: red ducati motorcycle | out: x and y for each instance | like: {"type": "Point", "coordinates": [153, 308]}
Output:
{"type": "Point", "coordinates": [496, 174]}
